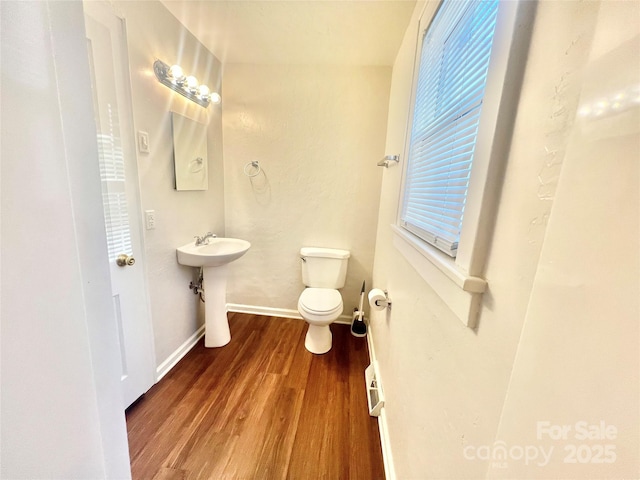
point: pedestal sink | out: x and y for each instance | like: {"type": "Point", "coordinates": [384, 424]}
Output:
{"type": "Point", "coordinates": [214, 257]}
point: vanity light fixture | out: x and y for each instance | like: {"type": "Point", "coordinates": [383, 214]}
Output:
{"type": "Point", "coordinates": [174, 78]}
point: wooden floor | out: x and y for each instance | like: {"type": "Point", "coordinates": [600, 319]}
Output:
{"type": "Point", "coordinates": [261, 407]}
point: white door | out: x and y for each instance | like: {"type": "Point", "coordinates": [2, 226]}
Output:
{"type": "Point", "coordinates": [118, 170]}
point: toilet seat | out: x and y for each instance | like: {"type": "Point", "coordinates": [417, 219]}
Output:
{"type": "Point", "coordinates": [324, 302]}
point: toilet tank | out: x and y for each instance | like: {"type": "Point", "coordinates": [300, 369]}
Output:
{"type": "Point", "coordinates": [324, 267]}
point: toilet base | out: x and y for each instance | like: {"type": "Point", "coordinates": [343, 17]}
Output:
{"type": "Point", "coordinates": [318, 339]}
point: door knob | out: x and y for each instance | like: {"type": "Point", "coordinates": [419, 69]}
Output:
{"type": "Point", "coordinates": [123, 260]}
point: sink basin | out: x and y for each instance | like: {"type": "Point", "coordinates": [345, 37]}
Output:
{"type": "Point", "coordinates": [218, 252]}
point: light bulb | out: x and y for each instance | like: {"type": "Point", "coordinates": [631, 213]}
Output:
{"type": "Point", "coordinates": [203, 92]}
{"type": "Point", "coordinates": [215, 97]}
{"type": "Point", "coordinates": [176, 73]}
{"type": "Point", "coordinates": [192, 83]}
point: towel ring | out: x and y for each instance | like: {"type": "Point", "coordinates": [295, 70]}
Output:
{"type": "Point", "coordinates": [248, 166]}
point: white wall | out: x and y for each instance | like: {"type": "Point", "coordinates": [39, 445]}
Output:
{"type": "Point", "coordinates": [445, 384]}
{"type": "Point", "coordinates": [153, 33]}
{"type": "Point", "coordinates": [318, 132]}
{"type": "Point", "coordinates": [578, 357]}
{"type": "Point", "coordinates": [61, 402]}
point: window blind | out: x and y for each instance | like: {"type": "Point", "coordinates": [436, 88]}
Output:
{"type": "Point", "coordinates": [114, 197]}
{"type": "Point", "coordinates": [117, 224]}
{"type": "Point", "coordinates": [454, 61]}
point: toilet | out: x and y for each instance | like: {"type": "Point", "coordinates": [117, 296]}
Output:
{"type": "Point", "coordinates": [323, 272]}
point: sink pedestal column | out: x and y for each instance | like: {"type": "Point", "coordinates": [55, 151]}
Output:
{"type": "Point", "coordinates": [216, 333]}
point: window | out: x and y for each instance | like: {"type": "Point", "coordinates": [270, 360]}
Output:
{"type": "Point", "coordinates": [469, 65]}
{"type": "Point", "coordinates": [453, 70]}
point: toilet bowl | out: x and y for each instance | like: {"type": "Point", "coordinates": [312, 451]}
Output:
{"type": "Point", "coordinates": [319, 307]}
{"type": "Point", "coordinates": [324, 271]}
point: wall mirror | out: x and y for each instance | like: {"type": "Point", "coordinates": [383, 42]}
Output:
{"type": "Point", "coordinates": [190, 153]}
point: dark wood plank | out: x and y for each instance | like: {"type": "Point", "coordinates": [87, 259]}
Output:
{"type": "Point", "coordinates": [363, 460]}
{"type": "Point", "coordinates": [322, 445]}
{"type": "Point", "coordinates": [281, 428]}
{"type": "Point", "coordinates": [196, 372]}
{"type": "Point", "coordinates": [170, 474]}
{"type": "Point", "coordinates": [261, 407]}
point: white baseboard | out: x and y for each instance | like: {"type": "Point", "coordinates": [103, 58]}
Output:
{"type": "Point", "coordinates": [177, 355]}
{"type": "Point", "coordinates": [259, 310]}
{"type": "Point", "coordinates": [387, 457]}
{"type": "Point", "coordinates": [276, 312]}
{"type": "Point", "coordinates": [344, 320]}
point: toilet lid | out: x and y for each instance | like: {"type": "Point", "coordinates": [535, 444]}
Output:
{"type": "Point", "coordinates": [320, 300]}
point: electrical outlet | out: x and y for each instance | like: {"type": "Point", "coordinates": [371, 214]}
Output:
{"type": "Point", "coordinates": [150, 219]}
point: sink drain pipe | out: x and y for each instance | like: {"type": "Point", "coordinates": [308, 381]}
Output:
{"type": "Point", "coordinates": [197, 287]}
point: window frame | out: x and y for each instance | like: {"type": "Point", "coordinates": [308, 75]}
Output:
{"type": "Point", "coordinates": [458, 281]}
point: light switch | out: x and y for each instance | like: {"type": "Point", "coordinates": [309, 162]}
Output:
{"type": "Point", "coordinates": [143, 142]}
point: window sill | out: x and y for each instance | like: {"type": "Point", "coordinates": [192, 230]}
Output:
{"type": "Point", "coordinates": [461, 292]}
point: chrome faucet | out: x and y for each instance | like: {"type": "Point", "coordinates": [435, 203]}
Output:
{"type": "Point", "coordinates": [203, 240]}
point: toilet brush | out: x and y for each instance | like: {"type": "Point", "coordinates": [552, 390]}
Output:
{"type": "Point", "coordinates": [358, 327]}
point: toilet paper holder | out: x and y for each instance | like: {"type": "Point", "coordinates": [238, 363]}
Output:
{"type": "Point", "coordinates": [384, 303]}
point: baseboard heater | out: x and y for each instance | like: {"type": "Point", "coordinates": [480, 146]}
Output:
{"type": "Point", "coordinates": [375, 398]}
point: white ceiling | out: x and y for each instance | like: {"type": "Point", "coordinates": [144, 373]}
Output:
{"type": "Point", "coordinates": [317, 32]}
